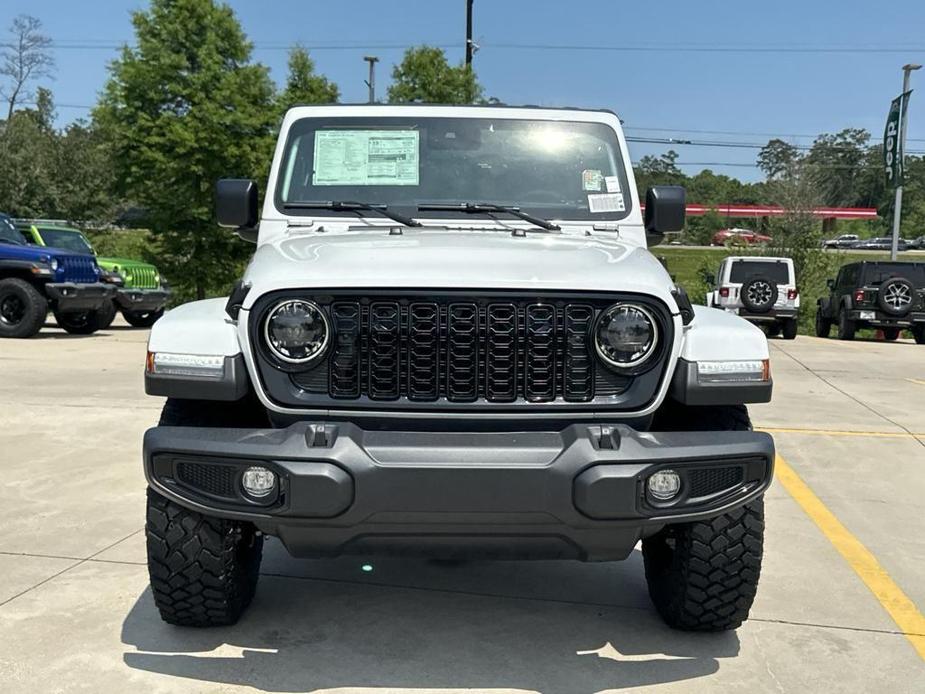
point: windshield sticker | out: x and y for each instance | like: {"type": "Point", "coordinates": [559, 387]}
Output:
{"type": "Point", "coordinates": [366, 158]}
{"type": "Point", "coordinates": [612, 184]}
{"type": "Point", "coordinates": [591, 179]}
{"type": "Point", "coordinates": [606, 202]}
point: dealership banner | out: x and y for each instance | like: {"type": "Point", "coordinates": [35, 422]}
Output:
{"type": "Point", "coordinates": [893, 140]}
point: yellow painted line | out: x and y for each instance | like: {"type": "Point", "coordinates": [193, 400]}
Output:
{"type": "Point", "coordinates": [836, 432]}
{"type": "Point", "coordinates": [898, 605]}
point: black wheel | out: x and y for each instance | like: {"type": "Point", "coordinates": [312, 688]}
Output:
{"type": "Point", "coordinates": [846, 326]}
{"type": "Point", "coordinates": [790, 328]}
{"type": "Point", "coordinates": [823, 324]}
{"type": "Point", "coordinates": [106, 314]}
{"type": "Point", "coordinates": [203, 570]}
{"type": "Point", "coordinates": [918, 333]}
{"type": "Point", "coordinates": [891, 334]}
{"type": "Point", "coordinates": [22, 308]}
{"type": "Point", "coordinates": [142, 319]}
{"type": "Point", "coordinates": [82, 323]}
{"type": "Point", "coordinates": [773, 330]}
{"type": "Point", "coordinates": [896, 296]}
{"type": "Point", "coordinates": [703, 576]}
{"type": "Point", "coordinates": [759, 294]}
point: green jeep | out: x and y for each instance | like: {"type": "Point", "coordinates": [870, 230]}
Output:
{"type": "Point", "coordinates": [142, 293]}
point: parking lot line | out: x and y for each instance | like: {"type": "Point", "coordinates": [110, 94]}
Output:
{"type": "Point", "coordinates": [898, 605]}
{"type": "Point", "coordinates": [837, 432]}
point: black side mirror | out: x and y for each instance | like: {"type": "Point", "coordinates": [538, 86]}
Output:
{"type": "Point", "coordinates": [664, 212]}
{"type": "Point", "coordinates": [830, 283]}
{"type": "Point", "coordinates": [236, 204]}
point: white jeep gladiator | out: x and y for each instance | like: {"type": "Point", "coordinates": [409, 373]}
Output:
{"type": "Point", "coordinates": [452, 341]}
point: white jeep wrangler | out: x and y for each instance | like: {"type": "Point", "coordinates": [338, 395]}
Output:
{"type": "Point", "coordinates": [452, 341]}
{"type": "Point", "coordinates": [762, 290]}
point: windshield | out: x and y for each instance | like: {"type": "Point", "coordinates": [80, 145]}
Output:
{"type": "Point", "coordinates": [551, 169]}
{"type": "Point", "coordinates": [68, 239]}
{"type": "Point", "coordinates": [744, 270]}
{"type": "Point", "coordinates": [9, 233]}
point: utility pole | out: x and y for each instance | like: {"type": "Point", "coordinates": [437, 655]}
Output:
{"type": "Point", "coordinates": [371, 82]}
{"type": "Point", "coordinates": [469, 50]}
{"type": "Point", "coordinates": [898, 204]}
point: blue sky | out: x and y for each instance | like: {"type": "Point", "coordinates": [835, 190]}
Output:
{"type": "Point", "coordinates": [750, 94]}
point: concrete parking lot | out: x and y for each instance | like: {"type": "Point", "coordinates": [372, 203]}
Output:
{"type": "Point", "coordinates": [839, 606]}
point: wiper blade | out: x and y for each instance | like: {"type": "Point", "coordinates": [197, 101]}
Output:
{"type": "Point", "coordinates": [352, 206]}
{"type": "Point", "coordinates": [477, 207]}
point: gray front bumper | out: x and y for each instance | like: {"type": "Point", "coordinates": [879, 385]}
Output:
{"type": "Point", "coordinates": [142, 300]}
{"type": "Point", "coordinates": [575, 493]}
{"type": "Point", "coordinates": [72, 297]}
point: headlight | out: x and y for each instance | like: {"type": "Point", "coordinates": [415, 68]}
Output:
{"type": "Point", "coordinates": [626, 335]}
{"type": "Point", "coordinates": [54, 264]}
{"type": "Point", "coordinates": [296, 331]}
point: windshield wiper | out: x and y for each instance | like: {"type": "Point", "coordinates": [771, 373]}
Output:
{"type": "Point", "coordinates": [477, 207]}
{"type": "Point", "coordinates": [352, 206]}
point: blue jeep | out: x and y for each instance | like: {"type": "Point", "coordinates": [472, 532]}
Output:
{"type": "Point", "coordinates": [34, 279]}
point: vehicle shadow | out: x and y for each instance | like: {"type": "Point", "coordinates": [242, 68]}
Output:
{"type": "Point", "coordinates": [555, 627]}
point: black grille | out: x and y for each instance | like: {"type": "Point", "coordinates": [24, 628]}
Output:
{"type": "Point", "coordinates": [707, 481]}
{"type": "Point", "coordinates": [462, 351]}
{"type": "Point", "coordinates": [216, 480]}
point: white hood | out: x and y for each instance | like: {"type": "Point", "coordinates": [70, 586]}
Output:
{"type": "Point", "coordinates": [455, 259]}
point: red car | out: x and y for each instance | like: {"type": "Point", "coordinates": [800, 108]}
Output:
{"type": "Point", "coordinates": [744, 236]}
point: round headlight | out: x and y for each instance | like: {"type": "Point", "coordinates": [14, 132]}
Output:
{"type": "Point", "coordinates": [54, 264]}
{"type": "Point", "coordinates": [296, 331]}
{"type": "Point", "coordinates": [626, 335]}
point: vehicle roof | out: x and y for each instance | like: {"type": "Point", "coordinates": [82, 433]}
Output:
{"type": "Point", "coordinates": [758, 258]}
{"type": "Point", "coordinates": [496, 105]}
{"type": "Point", "coordinates": [890, 263]}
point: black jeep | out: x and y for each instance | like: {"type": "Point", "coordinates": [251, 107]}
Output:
{"type": "Point", "coordinates": [888, 296]}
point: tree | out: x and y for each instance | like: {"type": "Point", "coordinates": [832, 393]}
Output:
{"type": "Point", "coordinates": [183, 109]}
{"type": "Point", "coordinates": [834, 165]}
{"type": "Point", "coordinates": [424, 75]}
{"type": "Point", "coordinates": [24, 58]}
{"type": "Point", "coordinates": [777, 158]}
{"type": "Point", "coordinates": [303, 86]}
{"type": "Point", "coordinates": [83, 174]}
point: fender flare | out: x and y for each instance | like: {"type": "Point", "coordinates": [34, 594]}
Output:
{"type": "Point", "coordinates": [200, 328]}
{"type": "Point", "coordinates": [716, 335]}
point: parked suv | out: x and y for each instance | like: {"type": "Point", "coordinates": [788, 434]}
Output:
{"type": "Point", "coordinates": [761, 290]}
{"type": "Point", "coordinates": [34, 280]}
{"type": "Point", "coordinates": [889, 296]}
{"type": "Point", "coordinates": [141, 293]}
{"type": "Point", "coordinates": [452, 341]}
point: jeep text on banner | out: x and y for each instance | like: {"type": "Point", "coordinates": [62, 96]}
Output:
{"type": "Point", "coordinates": [892, 140]}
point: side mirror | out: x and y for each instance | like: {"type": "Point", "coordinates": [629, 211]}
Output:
{"type": "Point", "coordinates": [664, 212]}
{"type": "Point", "coordinates": [830, 283]}
{"type": "Point", "coordinates": [236, 204]}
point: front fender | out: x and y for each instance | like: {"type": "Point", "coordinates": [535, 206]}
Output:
{"type": "Point", "coordinates": [199, 328]}
{"type": "Point", "coordinates": [716, 335]}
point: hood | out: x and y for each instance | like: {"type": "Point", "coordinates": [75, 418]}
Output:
{"type": "Point", "coordinates": [12, 250]}
{"type": "Point", "coordinates": [455, 259]}
{"type": "Point", "coordinates": [109, 262]}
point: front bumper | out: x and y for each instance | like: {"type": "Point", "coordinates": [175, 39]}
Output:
{"type": "Point", "coordinates": [575, 493]}
{"type": "Point", "coordinates": [72, 297]}
{"type": "Point", "coordinates": [142, 300]}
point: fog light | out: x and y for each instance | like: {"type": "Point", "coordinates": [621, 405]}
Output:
{"type": "Point", "coordinates": [258, 482]}
{"type": "Point", "coordinates": [664, 485]}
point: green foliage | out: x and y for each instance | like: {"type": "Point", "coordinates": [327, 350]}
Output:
{"type": "Point", "coordinates": [27, 155]}
{"type": "Point", "coordinates": [303, 86]}
{"type": "Point", "coordinates": [137, 244]}
{"type": "Point", "coordinates": [424, 75]}
{"type": "Point", "coordinates": [183, 109]}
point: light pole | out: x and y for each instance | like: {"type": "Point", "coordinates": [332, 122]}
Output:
{"type": "Point", "coordinates": [898, 204]}
{"type": "Point", "coordinates": [371, 82]}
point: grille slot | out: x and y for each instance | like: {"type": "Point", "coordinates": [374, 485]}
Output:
{"type": "Point", "coordinates": [216, 480]}
{"type": "Point", "coordinates": [345, 362]}
{"type": "Point", "coordinates": [462, 352]}
{"type": "Point", "coordinates": [423, 351]}
{"type": "Point", "coordinates": [711, 480]}
{"type": "Point", "coordinates": [540, 376]}
{"type": "Point", "coordinates": [384, 338]}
